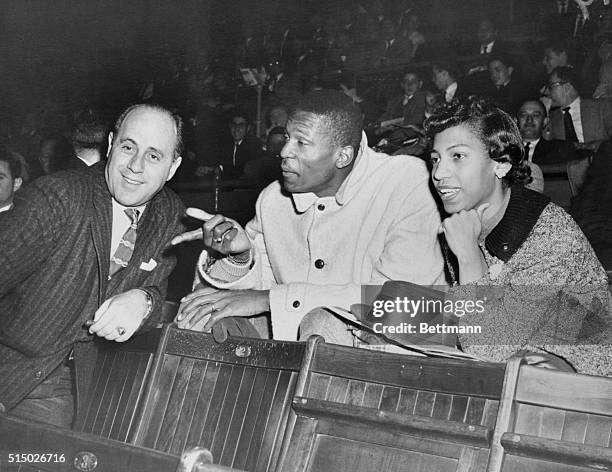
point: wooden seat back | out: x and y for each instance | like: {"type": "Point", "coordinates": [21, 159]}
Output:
{"type": "Point", "coordinates": [118, 386]}
{"type": "Point", "coordinates": [360, 410]}
{"type": "Point", "coordinates": [446, 389]}
{"type": "Point", "coordinates": [232, 398]}
{"type": "Point", "coordinates": [28, 446]}
{"type": "Point", "coordinates": [553, 421]}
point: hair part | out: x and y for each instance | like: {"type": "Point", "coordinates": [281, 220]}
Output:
{"type": "Point", "coordinates": [341, 117]}
{"type": "Point", "coordinates": [539, 103]}
{"type": "Point", "coordinates": [495, 128]}
{"type": "Point", "coordinates": [178, 123]}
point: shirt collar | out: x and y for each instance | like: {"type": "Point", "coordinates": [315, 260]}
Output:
{"type": "Point", "coordinates": [451, 89]}
{"type": "Point", "coordinates": [118, 208]}
{"type": "Point", "coordinates": [487, 47]}
{"type": "Point", "coordinates": [533, 142]}
{"type": "Point", "coordinates": [348, 188]}
{"type": "Point", "coordinates": [521, 215]}
{"type": "Point", "coordinates": [575, 105]}
{"type": "Point", "coordinates": [6, 207]}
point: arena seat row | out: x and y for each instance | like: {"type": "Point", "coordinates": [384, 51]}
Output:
{"type": "Point", "coordinates": [262, 405]}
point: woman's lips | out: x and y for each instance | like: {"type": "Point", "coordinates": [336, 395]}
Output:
{"type": "Point", "coordinates": [447, 192]}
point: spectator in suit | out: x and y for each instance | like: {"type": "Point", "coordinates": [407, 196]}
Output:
{"type": "Point", "coordinates": [410, 106]}
{"type": "Point", "coordinates": [532, 120]}
{"type": "Point", "coordinates": [88, 137]}
{"type": "Point", "coordinates": [239, 149]}
{"type": "Point", "coordinates": [392, 48]}
{"type": "Point", "coordinates": [556, 54]}
{"type": "Point", "coordinates": [487, 44]}
{"type": "Point", "coordinates": [445, 79]}
{"type": "Point", "coordinates": [10, 178]}
{"type": "Point", "coordinates": [487, 38]}
{"type": "Point", "coordinates": [584, 122]}
{"type": "Point", "coordinates": [266, 168]}
{"type": "Point", "coordinates": [508, 91]}
{"type": "Point", "coordinates": [84, 255]}
{"type": "Point", "coordinates": [414, 36]}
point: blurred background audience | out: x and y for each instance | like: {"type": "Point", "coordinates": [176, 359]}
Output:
{"type": "Point", "coordinates": [232, 69]}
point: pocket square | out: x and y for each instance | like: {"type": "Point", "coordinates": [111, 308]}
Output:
{"type": "Point", "coordinates": [149, 266]}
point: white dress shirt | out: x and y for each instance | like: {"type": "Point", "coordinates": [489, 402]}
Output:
{"type": "Point", "coordinates": [577, 119]}
{"type": "Point", "coordinates": [532, 146]}
{"type": "Point", "coordinates": [450, 92]}
{"type": "Point", "coordinates": [487, 48]}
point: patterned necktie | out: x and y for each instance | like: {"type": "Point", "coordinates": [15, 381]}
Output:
{"type": "Point", "coordinates": [527, 146]}
{"type": "Point", "coordinates": [568, 123]}
{"type": "Point", "coordinates": [124, 251]}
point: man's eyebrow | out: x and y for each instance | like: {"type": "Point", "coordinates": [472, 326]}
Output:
{"type": "Point", "coordinates": [123, 140]}
{"type": "Point", "coordinates": [154, 149]}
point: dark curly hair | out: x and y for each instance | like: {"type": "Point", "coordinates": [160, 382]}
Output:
{"type": "Point", "coordinates": [495, 128]}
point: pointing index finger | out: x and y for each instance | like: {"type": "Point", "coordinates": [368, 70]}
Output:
{"type": "Point", "coordinates": [198, 214]}
{"type": "Point", "coordinates": [189, 236]}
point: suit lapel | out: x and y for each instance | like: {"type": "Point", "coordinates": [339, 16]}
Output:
{"type": "Point", "coordinates": [148, 231]}
{"type": "Point", "coordinates": [101, 229]}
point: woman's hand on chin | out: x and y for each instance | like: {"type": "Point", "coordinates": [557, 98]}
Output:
{"type": "Point", "coordinates": [462, 230]}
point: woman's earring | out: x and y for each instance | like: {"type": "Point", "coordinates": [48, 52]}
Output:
{"type": "Point", "coordinates": [502, 168]}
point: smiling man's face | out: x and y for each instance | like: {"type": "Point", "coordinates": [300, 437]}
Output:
{"type": "Point", "coordinates": [141, 157]}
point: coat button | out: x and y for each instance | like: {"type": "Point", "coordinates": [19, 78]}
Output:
{"type": "Point", "coordinates": [296, 304]}
{"type": "Point", "coordinates": [38, 374]}
{"type": "Point", "coordinates": [505, 247]}
{"type": "Point", "coordinates": [319, 263]}
{"type": "Point", "coordinates": [321, 207]}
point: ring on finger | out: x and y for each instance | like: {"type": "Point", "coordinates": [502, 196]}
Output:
{"type": "Point", "coordinates": [219, 239]}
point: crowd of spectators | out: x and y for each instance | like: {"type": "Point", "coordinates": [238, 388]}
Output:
{"type": "Point", "coordinates": [386, 58]}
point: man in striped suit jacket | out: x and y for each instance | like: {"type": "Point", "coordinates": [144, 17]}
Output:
{"type": "Point", "coordinates": [64, 278]}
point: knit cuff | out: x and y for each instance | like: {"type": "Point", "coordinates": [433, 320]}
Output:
{"type": "Point", "coordinates": [227, 269]}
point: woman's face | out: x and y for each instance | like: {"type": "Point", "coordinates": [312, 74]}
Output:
{"type": "Point", "coordinates": [463, 173]}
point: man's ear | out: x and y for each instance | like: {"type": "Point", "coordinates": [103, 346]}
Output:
{"type": "Point", "coordinates": [17, 183]}
{"type": "Point", "coordinates": [174, 166]}
{"type": "Point", "coordinates": [345, 157]}
{"type": "Point", "coordinates": [110, 144]}
{"type": "Point", "coordinates": [510, 70]}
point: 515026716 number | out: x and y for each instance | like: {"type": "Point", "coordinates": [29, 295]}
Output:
{"type": "Point", "coordinates": [36, 458]}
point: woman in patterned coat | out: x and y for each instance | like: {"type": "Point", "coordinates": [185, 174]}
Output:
{"type": "Point", "coordinates": [544, 291]}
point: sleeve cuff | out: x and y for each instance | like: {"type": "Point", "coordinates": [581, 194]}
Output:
{"type": "Point", "coordinates": [223, 270]}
